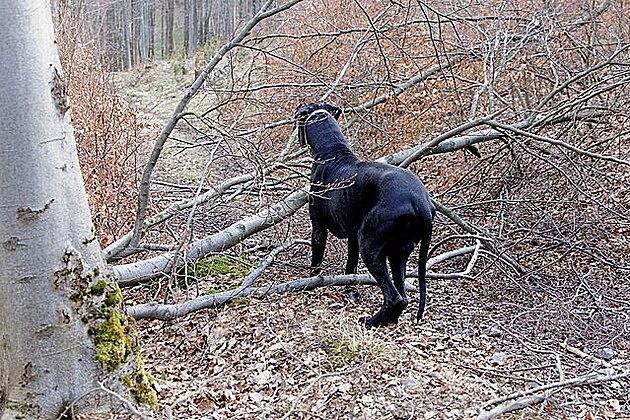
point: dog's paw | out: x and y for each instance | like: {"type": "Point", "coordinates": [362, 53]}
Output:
{"type": "Point", "coordinates": [380, 319]}
{"type": "Point", "coordinates": [366, 321]}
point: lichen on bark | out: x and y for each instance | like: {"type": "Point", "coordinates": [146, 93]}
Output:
{"type": "Point", "coordinates": [98, 302]}
{"type": "Point", "coordinates": [113, 344]}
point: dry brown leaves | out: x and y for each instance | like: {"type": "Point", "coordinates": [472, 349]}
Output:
{"type": "Point", "coordinates": [109, 133]}
{"type": "Point", "coordinates": [305, 356]}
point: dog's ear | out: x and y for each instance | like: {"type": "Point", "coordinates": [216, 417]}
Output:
{"type": "Point", "coordinates": [301, 114]}
{"type": "Point", "coordinates": [301, 132]}
{"type": "Point", "coordinates": [334, 111]}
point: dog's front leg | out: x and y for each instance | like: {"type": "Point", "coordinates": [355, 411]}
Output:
{"type": "Point", "coordinates": [351, 267]}
{"type": "Point", "coordinates": [318, 245]}
{"type": "Point", "coordinates": [353, 255]}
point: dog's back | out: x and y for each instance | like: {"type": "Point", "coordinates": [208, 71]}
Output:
{"type": "Point", "coordinates": [346, 193]}
{"type": "Point", "coordinates": [345, 188]}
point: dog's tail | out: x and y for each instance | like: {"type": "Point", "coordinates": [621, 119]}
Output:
{"type": "Point", "coordinates": [425, 214]}
{"type": "Point", "coordinates": [422, 271]}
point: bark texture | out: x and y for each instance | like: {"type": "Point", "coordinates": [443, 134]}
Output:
{"type": "Point", "coordinates": [49, 258]}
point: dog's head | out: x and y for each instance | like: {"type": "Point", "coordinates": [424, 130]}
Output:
{"type": "Point", "coordinates": [302, 113]}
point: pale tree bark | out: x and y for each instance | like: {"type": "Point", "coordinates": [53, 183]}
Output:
{"type": "Point", "coordinates": [62, 334]}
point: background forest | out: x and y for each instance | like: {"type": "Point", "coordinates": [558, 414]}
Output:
{"type": "Point", "coordinates": [189, 105]}
{"type": "Point", "coordinates": [132, 32]}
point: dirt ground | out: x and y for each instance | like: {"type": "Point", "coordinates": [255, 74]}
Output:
{"type": "Point", "coordinates": [305, 356]}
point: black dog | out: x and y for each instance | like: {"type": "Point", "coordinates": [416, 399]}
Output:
{"type": "Point", "coordinates": [384, 211]}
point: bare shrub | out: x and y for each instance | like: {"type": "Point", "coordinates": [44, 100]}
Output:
{"type": "Point", "coordinates": [108, 131]}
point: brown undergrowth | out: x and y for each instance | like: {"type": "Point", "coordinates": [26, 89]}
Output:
{"type": "Point", "coordinates": [109, 133]}
{"type": "Point", "coordinates": [562, 214]}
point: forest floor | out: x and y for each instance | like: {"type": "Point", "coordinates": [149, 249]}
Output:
{"type": "Point", "coordinates": [304, 355]}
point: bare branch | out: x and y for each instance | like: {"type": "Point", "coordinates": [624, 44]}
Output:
{"type": "Point", "coordinates": [130, 274]}
{"type": "Point", "coordinates": [116, 248]}
{"type": "Point", "coordinates": [169, 312]}
{"type": "Point", "coordinates": [183, 103]}
{"type": "Point", "coordinates": [427, 148]}
{"type": "Point", "coordinates": [555, 142]}
{"type": "Point", "coordinates": [529, 397]}
{"type": "Point", "coordinates": [124, 401]}
{"type": "Point", "coordinates": [417, 78]}
{"type": "Point", "coordinates": [133, 273]}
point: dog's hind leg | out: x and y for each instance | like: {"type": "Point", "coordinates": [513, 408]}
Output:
{"type": "Point", "coordinates": [393, 303]}
{"type": "Point", "coordinates": [398, 263]}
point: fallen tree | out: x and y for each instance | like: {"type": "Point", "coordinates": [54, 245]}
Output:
{"type": "Point", "coordinates": [561, 105]}
{"type": "Point", "coordinates": [144, 270]}
{"type": "Point", "coordinates": [215, 300]}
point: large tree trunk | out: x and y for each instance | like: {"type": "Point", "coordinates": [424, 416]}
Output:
{"type": "Point", "coordinates": [61, 326]}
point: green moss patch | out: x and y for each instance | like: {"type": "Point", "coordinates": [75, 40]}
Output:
{"type": "Point", "coordinates": [142, 386]}
{"type": "Point", "coordinates": [99, 287]}
{"type": "Point", "coordinates": [113, 344]}
{"type": "Point", "coordinates": [113, 297]}
{"type": "Point", "coordinates": [221, 265]}
{"type": "Point", "coordinates": [98, 302]}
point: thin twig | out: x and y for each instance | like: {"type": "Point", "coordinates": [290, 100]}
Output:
{"type": "Point", "coordinates": [529, 397]}
{"type": "Point", "coordinates": [124, 401]}
{"type": "Point", "coordinates": [143, 196]}
{"type": "Point", "coordinates": [580, 353]}
{"type": "Point", "coordinates": [555, 142]}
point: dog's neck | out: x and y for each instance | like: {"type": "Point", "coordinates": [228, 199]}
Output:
{"type": "Point", "coordinates": [325, 137]}
{"type": "Point", "coordinates": [318, 115]}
